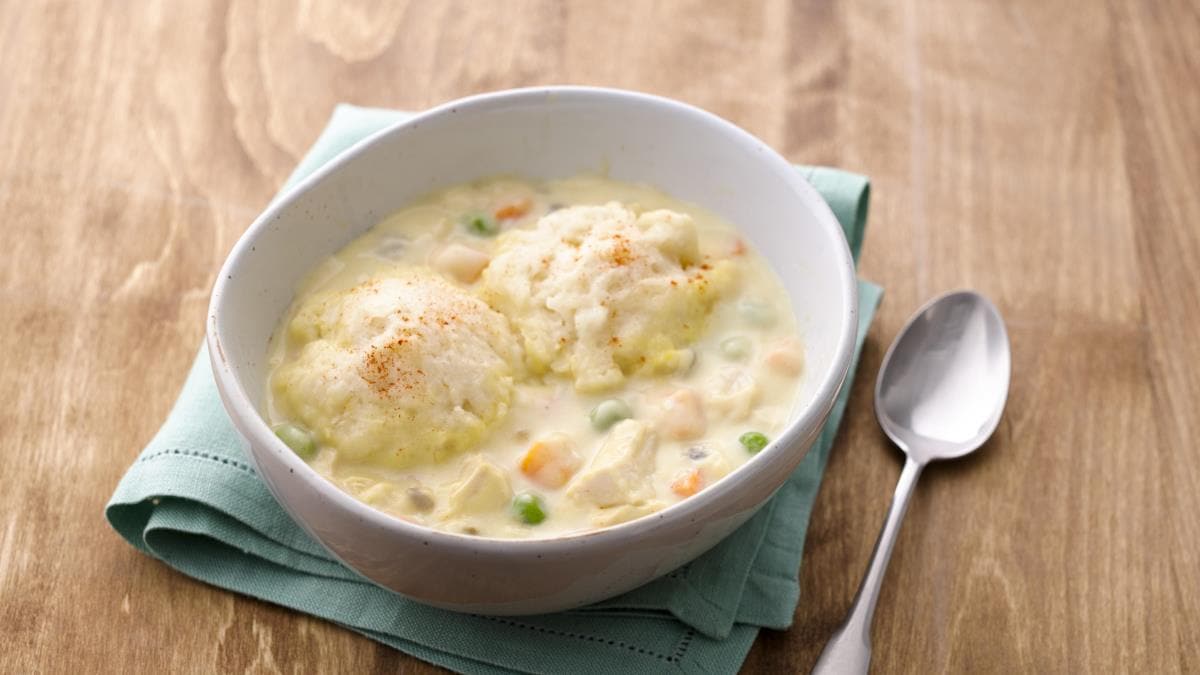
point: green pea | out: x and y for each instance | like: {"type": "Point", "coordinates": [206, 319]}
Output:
{"type": "Point", "coordinates": [480, 224]}
{"type": "Point", "coordinates": [757, 312]}
{"type": "Point", "coordinates": [528, 508]}
{"type": "Point", "coordinates": [609, 412]}
{"type": "Point", "coordinates": [753, 441]}
{"type": "Point", "coordinates": [300, 441]}
{"type": "Point", "coordinates": [736, 348]}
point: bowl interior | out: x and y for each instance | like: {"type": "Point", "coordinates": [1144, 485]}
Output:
{"type": "Point", "coordinates": [546, 133]}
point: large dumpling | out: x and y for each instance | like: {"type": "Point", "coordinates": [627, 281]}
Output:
{"type": "Point", "coordinates": [398, 370]}
{"type": "Point", "coordinates": [600, 292]}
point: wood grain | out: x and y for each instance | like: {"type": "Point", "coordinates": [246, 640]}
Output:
{"type": "Point", "coordinates": [1047, 154]}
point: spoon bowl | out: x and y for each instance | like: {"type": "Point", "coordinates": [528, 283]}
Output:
{"type": "Point", "coordinates": [940, 393]}
{"type": "Point", "coordinates": [944, 381]}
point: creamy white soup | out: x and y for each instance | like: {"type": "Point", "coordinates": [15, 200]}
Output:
{"type": "Point", "coordinates": [521, 359]}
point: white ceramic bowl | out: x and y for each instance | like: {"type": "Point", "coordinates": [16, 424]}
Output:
{"type": "Point", "coordinates": [538, 133]}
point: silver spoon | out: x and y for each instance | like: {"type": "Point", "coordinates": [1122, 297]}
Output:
{"type": "Point", "coordinates": [940, 393]}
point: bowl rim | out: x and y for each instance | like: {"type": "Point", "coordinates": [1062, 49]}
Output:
{"type": "Point", "coordinates": [254, 427]}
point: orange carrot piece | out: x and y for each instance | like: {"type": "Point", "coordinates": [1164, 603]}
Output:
{"type": "Point", "coordinates": [538, 456]}
{"type": "Point", "coordinates": [549, 464]}
{"type": "Point", "coordinates": [514, 208]}
{"type": "Point", "coordinates": [688, 483]}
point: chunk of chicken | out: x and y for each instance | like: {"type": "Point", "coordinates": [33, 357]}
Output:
{"type": "Point", "coordinates": [621, 471]}
{"type": "Point", "coordinates": [461, 262]}
{"type": "Point", "coordinates": [732, 393]}
{"type": "Point", "coordinates": [625, 512]}
{"type": "Point", "coordinates": [485, 488]}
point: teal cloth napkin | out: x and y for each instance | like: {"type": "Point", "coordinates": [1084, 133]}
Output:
{"type": "Point", "coordinates": [192, 500]}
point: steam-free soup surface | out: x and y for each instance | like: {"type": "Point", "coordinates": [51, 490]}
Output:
{"type": "Point", "coordinates": [526, 359]}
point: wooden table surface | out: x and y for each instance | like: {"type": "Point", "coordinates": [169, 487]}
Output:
{"type": "Point", "coordinates": [1047, 154]}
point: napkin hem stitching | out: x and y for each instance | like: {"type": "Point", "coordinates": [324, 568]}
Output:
{"type": "Point", "coordinates": [676, 655]}
{"type": "Point", "coordinates": [201, 455]}
{"type": "Point", "coordinates": [685, 643]}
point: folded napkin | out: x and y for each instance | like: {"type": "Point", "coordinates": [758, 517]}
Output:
{"type": "Point", "coordinates": [192, 500]}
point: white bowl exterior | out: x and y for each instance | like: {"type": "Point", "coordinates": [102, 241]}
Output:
{"type": "Point", "coordinates": [536, 133]}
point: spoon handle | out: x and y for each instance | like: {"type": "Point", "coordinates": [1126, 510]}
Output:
{"type": "Point", "coordinates": [849, 650]}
